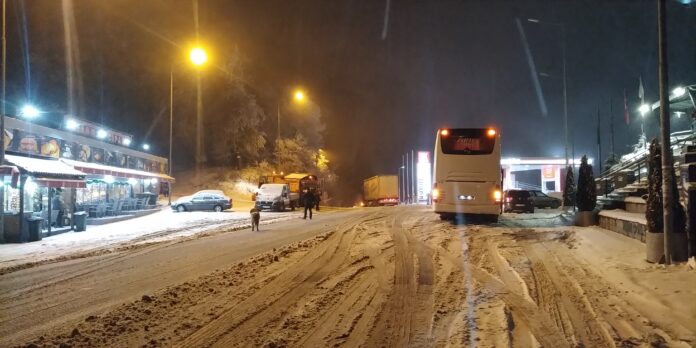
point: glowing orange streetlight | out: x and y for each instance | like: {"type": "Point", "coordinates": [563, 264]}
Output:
{"type": "Point", "coordinates": [299, 95]}
{"type": "Point", "coordinates": [198, 56]}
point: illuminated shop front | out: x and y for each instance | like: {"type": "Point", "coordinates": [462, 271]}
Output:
{"type": "Point", "coordinates": [82, 167]}
{"type": "Point", "coordinates": [33, 191]}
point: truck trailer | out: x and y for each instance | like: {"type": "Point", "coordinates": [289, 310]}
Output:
{"type": "Point", "coordinates": [381, 190]}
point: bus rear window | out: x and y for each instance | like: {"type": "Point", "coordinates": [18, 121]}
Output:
{"type": "Point", "coordinates": [467, 142]}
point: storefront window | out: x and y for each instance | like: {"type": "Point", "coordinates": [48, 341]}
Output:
{"type": "Point", "coordinates": [32, 197]}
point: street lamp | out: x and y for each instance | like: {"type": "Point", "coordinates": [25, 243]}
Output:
{"type": "Point", "coordinates": [679, 91]}
{"type": "Point", "coordinates": [565, 90]}
{"type": "Point", "coordinates": [29, 111]}
{"type": "Point", "coordinates": [146, 147]}
{"type": "Point", "coordinates": [644, 109]}
{"type": "Point", "coordinates": [299, 97]}
{"type": "Point", "coordinates": [198, 56]}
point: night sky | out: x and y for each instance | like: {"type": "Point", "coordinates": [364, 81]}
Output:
{"type": "Point", "coordinates": [442, 63]}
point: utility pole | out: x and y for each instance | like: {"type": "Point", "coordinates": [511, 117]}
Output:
{"type": "Point", "coordinates": [278, 135]}
{"type": "Point", "coordinates": [2, 118]}
{"type": "Point", "coordinates": [565, 95]}
{"type": "Point", "coordinates": [171, 127]}
{"type": "Point", "coordinates": [667, 165]}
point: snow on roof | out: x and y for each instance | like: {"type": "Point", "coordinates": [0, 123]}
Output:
{"type": "Point", "coordinates": [297, 176]}
{"type": "Point", "coordinates": [43, 167]}
{"type": "Point", "coordinates": [116, 171]}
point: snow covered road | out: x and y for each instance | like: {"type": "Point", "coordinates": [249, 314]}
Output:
{"type": "Point", "coordinates": [391, 277]}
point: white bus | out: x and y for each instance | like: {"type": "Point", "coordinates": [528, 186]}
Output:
{"type": "Point", "coordinates": [467, 177]}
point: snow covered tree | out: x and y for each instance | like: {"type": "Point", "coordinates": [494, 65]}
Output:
{"type": "Point", "coordinates": [654, 211]}
{"type": "Point", "coordinates": [569, 188]}
{"type": "Point", "coordinates": [587, 191]}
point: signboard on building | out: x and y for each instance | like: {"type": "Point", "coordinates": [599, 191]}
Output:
{"type": "Point", "coordinates": [423, 177]}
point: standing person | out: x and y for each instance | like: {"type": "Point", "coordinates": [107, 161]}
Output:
{"type": "Point", "coordinates": [309, 203]}
{"type": "Point", "coordinates": [58, 204]}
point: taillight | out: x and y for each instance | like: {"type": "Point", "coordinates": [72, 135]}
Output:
{"type": "Point", "coordinates": [497, 195]}
{"type": "Point", "coordinates": [435, 193]}
{"type": "Point", "coordinates": [508, 199]}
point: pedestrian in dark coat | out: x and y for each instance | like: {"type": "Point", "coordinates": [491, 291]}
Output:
{"type": "Point", "coordinates": [309, 202]}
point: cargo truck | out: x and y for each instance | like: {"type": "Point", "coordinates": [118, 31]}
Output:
{"type": "Point", "coordinates": [381, 190]}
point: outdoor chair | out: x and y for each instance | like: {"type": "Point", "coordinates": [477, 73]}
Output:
{"type": "Point", "coordinates": [112, 208]}
{"type": "Point", "coordinates": [99, 210]}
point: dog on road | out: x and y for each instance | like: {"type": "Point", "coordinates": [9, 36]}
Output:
{"type": "Point", "coordinates": [255, 218]}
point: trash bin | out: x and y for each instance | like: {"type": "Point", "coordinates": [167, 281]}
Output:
{"type": "Point", "coordinates": [80, 221]}
{"type": "Point", "coordinates": [34, 226]}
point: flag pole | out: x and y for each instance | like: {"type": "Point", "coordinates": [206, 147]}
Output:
{"type": "Point", "coordinates": [599, 141]}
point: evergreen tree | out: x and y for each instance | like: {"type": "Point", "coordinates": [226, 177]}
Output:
{"type": "Point", "coordinates": [587, 191]}
{"type": "Point", "coordinates": [654, 211]}
{"type": "Point", "coordinates": [569, 188]}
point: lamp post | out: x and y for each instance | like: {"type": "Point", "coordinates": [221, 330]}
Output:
{"type": "Point", "coordinates": [565, 90]}
{"type": "Point", "coordinates": [198, 57]}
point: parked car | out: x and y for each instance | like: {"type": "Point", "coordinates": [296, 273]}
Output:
{"type": "Point", "coordinates": [203, 200]}
{"type": "Point", "coordinates": [518, 201]}
{"type": "Point", "coordinates": [542, 200]}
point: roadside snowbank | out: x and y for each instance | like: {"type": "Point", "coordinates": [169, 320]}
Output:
{"type": "Point", "coordinates": [159, 227]}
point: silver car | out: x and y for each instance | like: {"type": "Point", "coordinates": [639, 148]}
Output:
{"type": "Point", "coordinates": [214, 200]}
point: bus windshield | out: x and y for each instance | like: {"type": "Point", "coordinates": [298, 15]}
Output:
{"type": "Point", "coordinates": [467, 142]}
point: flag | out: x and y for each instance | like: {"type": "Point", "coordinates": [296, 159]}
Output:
{"type": "Point", "coordinates": [641, 90]}
{"type": "Point", "coordinates": [626, 108]}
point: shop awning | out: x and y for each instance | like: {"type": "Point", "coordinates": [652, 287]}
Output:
{"type": "Point", "coordinates": [48, 172]}
{"type": "Point", "coordinates": [65, 183]}
{"type": "Point", "coordinates": [102, 169]}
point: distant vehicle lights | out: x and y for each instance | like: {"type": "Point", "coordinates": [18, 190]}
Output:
{"type": "Point", "coordinates": [444, 132]}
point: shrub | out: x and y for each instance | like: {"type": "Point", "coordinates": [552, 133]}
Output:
{"type": "Point", "coordinates": [569, 188]}
{"type": "Point", "coordinates": [587, 191]}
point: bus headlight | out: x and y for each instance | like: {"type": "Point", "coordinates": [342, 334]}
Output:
{"type": "Point", "coordinates": [497, 196]}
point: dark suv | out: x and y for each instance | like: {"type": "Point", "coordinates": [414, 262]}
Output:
{"type": "Point", "coordinates": [542, 200]}
{"type": "Point", "coordinates": [518, 201]}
